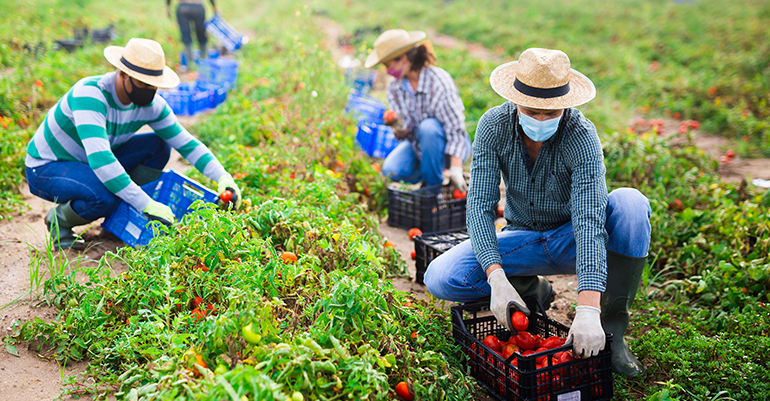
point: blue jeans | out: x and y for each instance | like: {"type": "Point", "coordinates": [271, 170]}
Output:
{"type": "Point", "coordinates": [64, 181]}
{"type": "Point", "coordinates": [457, 276]}
{"type": "Point", "coordinates": [402, 163]}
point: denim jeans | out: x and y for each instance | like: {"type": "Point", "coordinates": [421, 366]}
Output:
{"type": "Point", "coordinates": [64, 181]}
{"type": "Point", "coordinates": [403, 165]}
{"type": "Point", "coordinates": [457, 276]}
{"type": "Point", "coordinates": [196, 14]}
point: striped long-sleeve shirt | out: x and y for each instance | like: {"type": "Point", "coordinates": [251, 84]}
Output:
{"type": "Point", "coordinates": [436, 97]}
{"type": "Point", "coordinates": [89, 122]}
{"type": "Point", "coordinates": [565, 183]}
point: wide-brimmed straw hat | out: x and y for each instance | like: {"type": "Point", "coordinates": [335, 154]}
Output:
{"type": "Point", "coordinates": [393, 43]}
{"type": "Point", "coordinates": [144, 60]}
{"type": "Point", "coordinates": [542, 79]}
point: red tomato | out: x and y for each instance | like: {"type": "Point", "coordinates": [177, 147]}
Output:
{"type": "Point", "coordinates": [527, 352]}
{"type": "Point", "coordinates": [730, 153]}
{"type": "Point", "coordinates": [509, 350]}
{"type": "Point", "coordinates": [512, 341]}
{"type": "Point", "coordinates": [552, 342]}
{"type": "Point", "coordinates": [197, 302]}
{"type": "Point", "coordinates": [389, 116]}
{"type": "Point", "coordinates": [414, 232]}
{"type": "Point", "coordinates": [459, 194]}
{"type": "Point", "coordinates": [520, 321]}
{"type": "Point", "coordinates": [226, 196]}
{"type": "Point", "coordinates": [566, 357]}
{"type": "Point", "coordinates": [403, 391]}
{"type": "Point", "coordinates": [538, 341]}
{"type": "Point", "coordinates": [525, 341]}
{"type": "Point", "coordinates": [493, 343]}
{"type": "Point", "coordinates": [414, 255]}
{"type": "Point", "coordinates": [556, 356]}
{"type": "Point", "coordinates": [289, 257]}
{"type": "Point", "coordinates": [541, 360]}
{"type": "Point", "coordinates": [501, 211]}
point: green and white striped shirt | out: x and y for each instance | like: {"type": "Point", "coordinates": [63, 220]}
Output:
{"type": "Point", "coordinates": [89, 122]}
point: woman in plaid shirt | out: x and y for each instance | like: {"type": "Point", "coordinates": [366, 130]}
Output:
{"type": "Point", "coordinates": [430, 112]}
{"type": "Point", "coordinates": [560, 218]}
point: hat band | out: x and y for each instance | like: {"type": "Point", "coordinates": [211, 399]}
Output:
{"type": "Point", "coordinates": [136, 68]}
{"type": "Point", "coordinates": [543, 93]}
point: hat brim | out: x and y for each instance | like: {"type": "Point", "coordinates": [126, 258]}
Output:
{"type": "Point", "coordinates": [167, 80]}
{"type": "Point", "coordinates": [375, 58]}
{"type": "Point", "coordinates": [581, 89]}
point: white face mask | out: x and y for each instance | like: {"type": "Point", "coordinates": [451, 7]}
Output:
{"type": "Point", "coordinates": [536, 130]}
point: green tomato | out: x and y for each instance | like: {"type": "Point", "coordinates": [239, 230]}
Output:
{"type": "Point", "coordinates": [297, 396]}
{"type": "Point", "coordinates": [221, 369]}
{"type": "Point", "coordinates": [250, 335]}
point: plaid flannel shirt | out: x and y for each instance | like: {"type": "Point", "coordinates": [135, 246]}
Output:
{"type": "Point", "coordinates": [565, 183]}
{"type": "Point", "coordinates": [436, 97]}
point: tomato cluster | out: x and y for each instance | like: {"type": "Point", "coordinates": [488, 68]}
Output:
{"type": "Point", "coordinates": [525, 344]}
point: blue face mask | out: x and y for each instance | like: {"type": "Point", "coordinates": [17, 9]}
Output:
{"type": "Point", "coordinates": [536, 130]}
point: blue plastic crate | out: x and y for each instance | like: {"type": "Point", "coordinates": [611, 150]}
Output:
{"type": "Point", "coordinates": [225, 33]}
{"type": "Point", "coordinates": [216, 93]}
{"type": "Point", "coordinates": [366, 106]}
{"type": "Point", "coordinates": [377, 140]}
{"type": "Point", "coordinates": [186, 99]}
{"type": "Point", "coordinates": [218, 71]}
{"type": "Point", "coordinates": [172, 189]}
{"type": "Point", "coordinates": [361, 80]}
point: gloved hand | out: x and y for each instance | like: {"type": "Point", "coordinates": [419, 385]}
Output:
{"type": "Point", "coordinates": [160, 212]}
{"type": "Point", "coordinates": [503, 295]}
{"type": "Point", "coordinates": [586, 333]}
{"type": "Point", "coordinates": [226, 182]}
{"type": "Point", "coordinates": [456, 175]}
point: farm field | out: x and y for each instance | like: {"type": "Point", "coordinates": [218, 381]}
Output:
{"type": "Point", "coordinates": [213, 310]}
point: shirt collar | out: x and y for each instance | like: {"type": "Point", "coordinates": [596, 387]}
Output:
{"type": "Point", "coordinates": [421, 85]}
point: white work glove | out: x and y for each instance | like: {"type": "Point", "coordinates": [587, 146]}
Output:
{"type": "Point", "coordinates": [586, 333]}
{"type": "Point", "coordinates": [503, 295]}
{"type": "Point", "coordinates": [226, 182]}
{"type": "Point", "coordinates": [160, 212]}
{"type": "Point", "coordinates": [456, 175]}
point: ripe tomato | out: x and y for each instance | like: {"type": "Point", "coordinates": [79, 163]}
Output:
{"type": "Point", "coordinates": [493, 343]}
{"type": "Point", "coordinates": [376, 167]}
{"type": "Point", "coordinates": [552, 342]}
{"type": "Point", "coordinates": [251, 336]}
{"type": "Point", "coordinates": [501, 211]}
{"type": "Point", "coordinates": [541, 360]}
{"type": "Point", "coordinates": [566, 357]}
{"type": "Point", "coordinates": [289, 257]}
{"type": "Point", "coordinates": [389, 116]}
{"type": "Point", "coordinates": [509, 350]}
{"type": "Point", "coordinates": [527, 352]}
{"type": "Point", "coordinates": [404, 392]}
{"type": "Point", "coordinates": [538, 341]}
{"type": "Point", "coordinates": [414, 255]}
{"type": "Point", "coordinates": [389, 244]}
{"type": "Point", "coordinates": [198, 314]}
{"type": "Point", "coordinates": [225, 196]}
{"type": "Point", "coordinates": [197, 301]}
{"type": "Point", "coordinates": [413, 232]}
{"type": "Point", "coordinates": [199, 361]}
{"type": "Point", "coordinates": [525, 341]}
{"type": "Point", "coordinates": [459, 194]}
{"type": "Point", "coordinates": [520, 321]}
{"type": "Point", "coordinates": [730, 153]}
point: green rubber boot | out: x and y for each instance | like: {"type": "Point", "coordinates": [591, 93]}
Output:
{"type": "Point", "coordinates": [142, 174]}
{"type": "Point", "coordinates": [60, 220]}
{"type": "Point", "coordinates": [623, 276]}
{"type": "Point", "coordinates": [535, 286]}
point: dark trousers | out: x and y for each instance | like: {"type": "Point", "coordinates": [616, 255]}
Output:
{"type": "Point", "coordinates": [191, 13]}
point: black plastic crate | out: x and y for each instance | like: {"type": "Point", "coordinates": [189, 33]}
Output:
{"type": "Point", "coordinates": [588, 379]}
{"type": "Point", "coordinates": [429, 246]}
{"type": "Point", "coordinates": [430, 209]}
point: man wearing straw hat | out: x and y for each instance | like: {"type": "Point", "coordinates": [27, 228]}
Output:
{"type": "Point", "coordinates": [430, 112]}
{"type": "Point", "coordinates": [87, 155]}
{"type": "Point", "coordinates": [560, 218]}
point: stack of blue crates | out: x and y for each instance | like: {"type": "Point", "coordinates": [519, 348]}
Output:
{"type": "Point", "coordinates": [375, 138]}
{"type": "Point", "coordinates": [215, 77]}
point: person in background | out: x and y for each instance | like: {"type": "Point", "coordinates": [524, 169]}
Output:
{"type": "Point", "coordinates": [187, 12]}
{"type": "Point", "coordinates": [430, 113]}
{"type": "Point", "coordinates": [560, 218]}
{"type": "Point", "coordinates": [87, 156]}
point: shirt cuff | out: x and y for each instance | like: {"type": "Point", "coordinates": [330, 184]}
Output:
{"type": "Point", "coordinates": [488, 258]}
{"type": "Point", "coordinates": [141, 201]}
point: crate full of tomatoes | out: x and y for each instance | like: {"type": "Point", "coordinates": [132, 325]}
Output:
{"type": "Point", "coordinates": [535, 364]}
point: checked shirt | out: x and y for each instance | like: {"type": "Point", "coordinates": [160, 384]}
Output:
{"type": "Point", "coordinates": [436, 97]}
{"type": "Point", "coordinates": [565, 183]}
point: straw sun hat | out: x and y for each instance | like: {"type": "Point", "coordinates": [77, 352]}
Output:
{"type": "Point", "coordinates": [143, 59]}
{"type": "Point", "coordinates": [542, 79]}
{"type": "Point", "coordinates": [391, 44]}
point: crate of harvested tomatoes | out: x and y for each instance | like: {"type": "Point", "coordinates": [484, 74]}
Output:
{"type": "Point", "coordinates": [432, 245]}
{"type": "Point", "coordinates": [535, 364]}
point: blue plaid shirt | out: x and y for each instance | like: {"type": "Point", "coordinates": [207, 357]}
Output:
{"type": "Point", "coordinates": [565, 183]}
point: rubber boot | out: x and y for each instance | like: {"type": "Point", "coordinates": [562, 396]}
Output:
{"type": "Point", "coordinates": [142, 174]}
{"type": "Point", "coordinates": [60, 220]}
{"type": "Point", "coordinates": [535, 286]}
{"type": "Point", "coordinates": [623, 276]}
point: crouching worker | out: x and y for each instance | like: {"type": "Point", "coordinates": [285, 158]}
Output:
{"type": "Point", "coordinates": [560, 218]}
{"type": "Point", "coordinates": [86, 156]}
{"type": "Point", "coordinates": [430, 113]}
